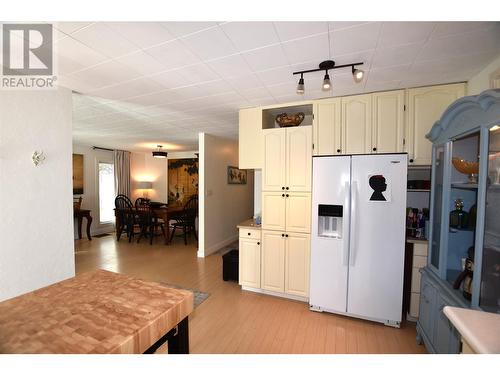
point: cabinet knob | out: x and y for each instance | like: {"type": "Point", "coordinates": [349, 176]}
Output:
{"type": "Point", "coordinates": [374, 149]}
{"type": "Point", "coordinates": [339, 150]}
{"type": "Point", "coordinates": [258, 243]}
{"type": "Point", "coordinates": [287, 195]}
{"type": "Point", "coordinates": [282, 235]}
{"type": "Point", "coordinates": [282, 188]}
{"type": "Point", "coordinates": [282, 195]}
{"type": "Point", "coordinates": [286, 235]}
{"type": "Point", "coordinates": [287, 188]}
{"type": "Point", "coordinates": [411, 160]}
{"type": "Point", "coordinates": [249, 234]}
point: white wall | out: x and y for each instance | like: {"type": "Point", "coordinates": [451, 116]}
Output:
{"type": "Point", "coordinates": [90, 196]}
{"type": "Point", "coordinates": [481, 81]}
{"type": "Point", "coordinates": [257, 192]}
{"type": "Point", "coordinates": [144, 167]}
{"type": "Point", "coordinates": [36, 203]}
{"type": "Point", "coordinates": [222, 206]}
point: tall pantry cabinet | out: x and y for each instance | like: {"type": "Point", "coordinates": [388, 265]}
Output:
{"type": "Point", "coordinates": [286, 210]}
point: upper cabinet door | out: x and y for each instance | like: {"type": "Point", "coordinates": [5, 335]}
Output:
{"type": "Point", "coordinates": [274, 170]}
{"type": "Point", "coordinates": [388, 121]}
{"type": "Point", "coordinates": [425, 107]}
{"type": "Point", "coordinates": [298, 158]}
{"type": "Point", "coordinates": [298, 212]}
{"type": "Point", "coordinates": [357, 124]}
{"type": "Point", "coordinates": [327, 127]}
{"type": "Point", "coordinates": [251, 143]}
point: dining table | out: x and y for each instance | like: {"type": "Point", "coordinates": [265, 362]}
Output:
{"type": "Point", "coordinates": [160, 212]}
{"type": "Point", "coordinates": [98, 312]}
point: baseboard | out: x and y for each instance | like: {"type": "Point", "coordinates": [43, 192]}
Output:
{"type": "Point", "coordinates": [214, 248]}
{"type": "Point", "coordinates": [275, 294]}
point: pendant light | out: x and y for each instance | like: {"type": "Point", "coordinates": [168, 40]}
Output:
{"type": "Point", "coordinates": [357, 74]}
{"type": "Point", "coordinates": [326, 82]}
{"type": "Point", "coordinates": [300, 85]}
{"type": "Point", "coordinates": [159, 153]}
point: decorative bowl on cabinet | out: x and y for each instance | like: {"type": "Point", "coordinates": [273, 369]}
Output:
{"type": "Point", "coordinates": [284, 120]}
{"type": "Point", "coordinates": [469, 168]}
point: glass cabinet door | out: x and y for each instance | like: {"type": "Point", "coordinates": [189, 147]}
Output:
{"type": "Point", "coordinates": [437, 204]}
{"type": "Point", "coordinates": [489, 299]}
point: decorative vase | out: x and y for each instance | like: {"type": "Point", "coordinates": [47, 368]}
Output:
{"type": "Point", "coordinates": [458, 217]}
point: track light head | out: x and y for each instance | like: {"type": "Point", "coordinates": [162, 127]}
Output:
{"type": "Point", "coordinates": [357, 74]}
{"type": "Point", "coordinates": [300, 85]}
{"type": "Point", "coordinates": [326, 82]}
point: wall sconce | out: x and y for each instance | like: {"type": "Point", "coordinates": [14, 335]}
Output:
{"type": "Point", "coordinates": [38, 157]}
{"type": "Point", "coordinates": [145, 186]}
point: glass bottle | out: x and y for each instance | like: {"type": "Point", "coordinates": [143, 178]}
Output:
{"type": "Point", "coordinates": [458, 217]}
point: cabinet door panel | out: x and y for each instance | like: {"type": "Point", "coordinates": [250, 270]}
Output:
{"type": "Point", "coordinates": [445, 338]}
{"type": "Point", "coordinates": [297, 264]}
{"type": "Point", "coordinates": [274, 172]}
{"type": "Point", "coordinates": [273, 261]}
{"type": "Point", "coordinates": [298, 212]}
{"type": "Point", "coordinates": [327, 127]}
{"type": "Point", "coordinates": [425, 107]}
{"type": "Point", "coordinates": [273, 210]}
{"type": "Point", "coordinates": [299, 158]}
{"type": "Point", "coordinates": [388, 121]}
{"type": "Point", "coordinates": [357, 124]}
{"type": "Point", "coordinates": [249, 266]}
{"type": "Point", "coordinates": [251, 143]}
{"type": "Point", "coordinates": [427, 307]}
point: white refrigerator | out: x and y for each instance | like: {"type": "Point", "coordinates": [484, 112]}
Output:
{"type": "Point", "coordinates": [358, 236]}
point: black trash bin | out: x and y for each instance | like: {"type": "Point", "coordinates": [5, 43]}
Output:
{"type": "Point", "coordinates": [230, 266]}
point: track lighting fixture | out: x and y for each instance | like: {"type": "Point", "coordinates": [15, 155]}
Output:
{"type": "Point", "coordinates": [300, 85]}
{"type": "Point", "coordinates": [327, 65]}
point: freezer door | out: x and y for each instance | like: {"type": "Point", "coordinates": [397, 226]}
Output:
{"type": "Point", "coordinates": [377, 241]}
{"type": "Point", "coordinates": [329, 250]}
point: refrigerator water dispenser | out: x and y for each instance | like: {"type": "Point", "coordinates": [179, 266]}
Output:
{"type": "Point", "coordinates": [330, 220]}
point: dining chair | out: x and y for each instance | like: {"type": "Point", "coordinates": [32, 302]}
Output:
{"type": "Point", "coordinates": [127, 215]}
{"type": "Point", "coordinates": [148, 223]}
{"type": "Point", "coordinates": [186, 219]}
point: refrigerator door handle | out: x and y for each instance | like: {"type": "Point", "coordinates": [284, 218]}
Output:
{"type": "Point", "coordinates": [347, 200]}
{"type": "Point", "coordinates": [354, 217]}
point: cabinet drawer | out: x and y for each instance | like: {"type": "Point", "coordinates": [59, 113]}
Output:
{"type": "Point", "coordinates": [415, 280]}
{"type": "Point", "coordinates": [419, 261]}
{"type": "Point", "coordinates": [250, 233]}
{"type": "Point", "coordinates": [420, 249]}
{"type": "Point", "coordinates": [414, 304]}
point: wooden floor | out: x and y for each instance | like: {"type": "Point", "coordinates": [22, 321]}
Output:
{"type": "Point", "coordinates": [234, 321]}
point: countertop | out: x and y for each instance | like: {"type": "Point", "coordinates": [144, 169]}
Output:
{"type": "Point", "coordinates": [480, 329]}
{"type": "Point", "coordinates": [94, 312]}
{"type": "Point", "coordinates": [249, 224]}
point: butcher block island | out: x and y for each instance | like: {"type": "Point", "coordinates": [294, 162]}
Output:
{"type": "Point", "coordinates": [97, 312]}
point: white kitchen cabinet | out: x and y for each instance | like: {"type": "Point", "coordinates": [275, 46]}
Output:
{"type": "Point", "coordinates": [251, 142]}
{"type": "Point", "coordinates": [425, 105]}
{"type": "Point", "coordinates": [419, 261]}
{"type": "Point", "coordinates": [273, 261]}
{"type": "Point", "coordinates": [298, 212]}
{"type": "Point", "coordinates": [274, 170]}
{"type": "Point", "coordinates": [298, 158]}
{"type": "Point", "coordinates": [357, 124]}
{"type": "Point", "coordinates": [297, 264]}
{"type": "Point", "coordinates": [274, 210]}
{"type": "Point", "coordinates": [327, 127]}
{"type": "Point", "coordinates": [249, 262]}
{"type": "Point", "coordinates": [388, 121]}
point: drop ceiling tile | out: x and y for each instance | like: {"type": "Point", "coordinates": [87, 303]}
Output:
{"type": "Point", "coordinates": [354, 39]}
{"type": "Point", "coordinates": [339, 25]}
{"type": "Point", "coordinates": [462, 44]}
{"type": "Point", "coordinates": [443, 29]}
{"type": "Point", "coordinates": [245, 82]}
{"type": "Point", "coordinates": [104, 40]}
{"type": "Point", "coordinates": [294, 30]}
{"type": "Point", "coordinates": [366, 57]}
{"type": "Point", "coordinates": [394, 73]}
{"type": "Point", "coordinates": [79, 53]}
{"type": "Point", "coordinates": [209, 44]}
{"type": "Point", "coordinates": [74, 84]}
{"type": "Point", "coordinates": [250, 35]}
{"type": "Point", "coordinates": [173, 55]}
{"type": "Point", "coordinates": [398, 33]}
{"type": "Point", "coordinates": [256, 93]}
{"type": "Point", "coordinates": [381, 86]}
{"type": "Point", "coordinates": [142, 34]}
{"type": "Point", "coordinates": [193, 74]}
{"type": "Point", "coordinates": [282, 89]}
{"type": "Point", "coordinates": [230, 66]}
{"type": "Point", "coordinates": [142, 63]}
{"type": "Point", "coordinates": [400, 55]}
{"type": "Point", "coordinates": [307, 49]}
{"type": "Point", "coordinates": [70, 27]}
{"type": "Point", "coordinates": [266, 58]}
{"type": "Point", "coordinates": [278, 75]}
{"type": "Point", "coordinates": [105, 74]}
{"type": "Point", "coordinates": [129, 89]}
{"type": "Point", "coordinates": [180, 29]}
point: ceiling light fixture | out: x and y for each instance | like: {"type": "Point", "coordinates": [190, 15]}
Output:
{"type": "Point", "coordinates": [327, 65]}
{"type": "Point", "coordinates": [159, 153]}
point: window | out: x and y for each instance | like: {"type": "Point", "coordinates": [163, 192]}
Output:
{"type": "Point", "coordinates": [106, 192]}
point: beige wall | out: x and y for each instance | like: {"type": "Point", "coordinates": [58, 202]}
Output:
{"type": "Point", "coordinates": [481, 81]}
{"type": "Point", "coordinates": [90, 196]}
{"type": "Point", "coordinates": [222, 206]}
{"type": "Point", "coordinates": [36, 207]}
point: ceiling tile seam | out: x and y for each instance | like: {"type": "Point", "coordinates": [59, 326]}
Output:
{"type": "Point", "coordinates": [422, 46]}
